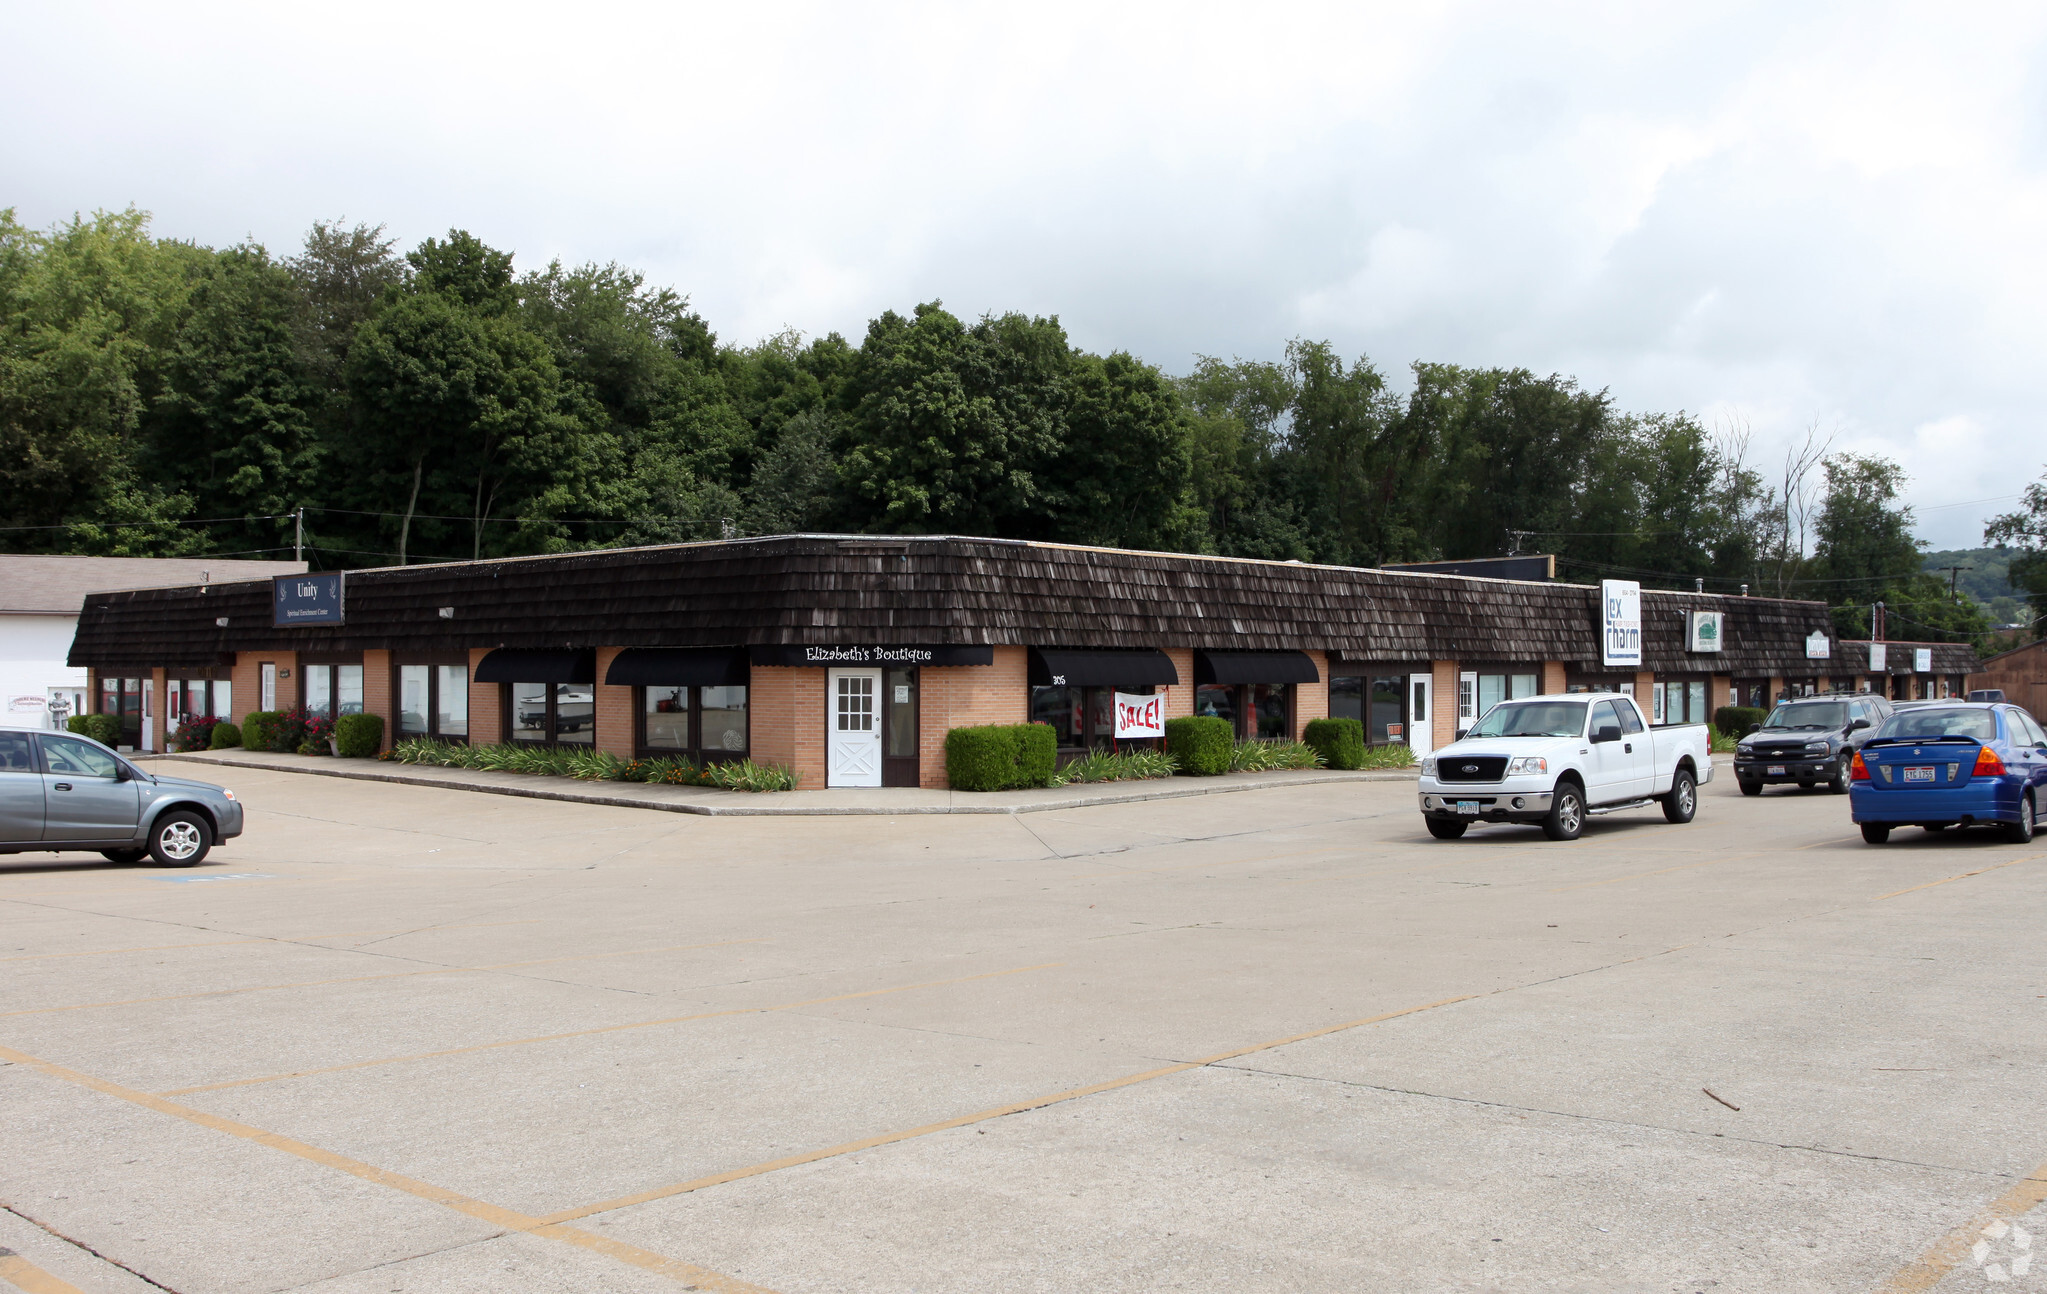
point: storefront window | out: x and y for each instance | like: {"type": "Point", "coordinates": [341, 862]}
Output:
{"type": "Point", "coordinates": [451, 700]}
{"type": "Point", "coordinates": [899, 738]}
{"type": "Point", "coordinates": [1059, 709]}
{"type": "Point", "coordinates": [319, 684]}
{"type": "Point", "coordinates": [1267, 704]}
{"type": "Point", "coordinates": [223, 698]}
{"type": "Point", "coordinates": [1085, 716]}
{"type": "Point", "coordinates": [1347, 697]}
{"type": "Point", "coordinates": [697, 722]}
{"type": "Point", "coordinates": [433, 700]}
{"type": "Point", "coordinates": [529, 711]}
{"type": "Point", "coordinates": [1385, 725]}
{"type": "Point", "coordinates": [333, 690]}
{"type": "Point", "coordinates": [1216, 702]}
{"type": "Point", "coordinates": [575, 713]}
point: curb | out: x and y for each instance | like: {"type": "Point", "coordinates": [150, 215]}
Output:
{"type": "Point", "coordinates": [573, 796]}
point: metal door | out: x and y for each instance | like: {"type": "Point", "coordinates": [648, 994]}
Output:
{"type": "Point", "coordinates": [84, 795]}
{"type": "Point", "coordinates": [1421, 714]}
{"type": "Point", "coordinates": [853, 740]}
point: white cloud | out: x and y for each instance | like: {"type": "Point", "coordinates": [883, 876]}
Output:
{"type": "Point", "coordinates": [1798, 212]}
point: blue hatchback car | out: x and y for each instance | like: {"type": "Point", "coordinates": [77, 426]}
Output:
{"type": "Point", "coordinates": [1962, 764]}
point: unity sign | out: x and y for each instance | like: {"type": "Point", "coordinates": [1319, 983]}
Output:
{"type": "Point", "coordinates": [1140, 716]}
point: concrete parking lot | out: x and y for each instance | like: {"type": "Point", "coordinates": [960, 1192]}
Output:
{"type": "Point", "coordinates": [407, 1039]}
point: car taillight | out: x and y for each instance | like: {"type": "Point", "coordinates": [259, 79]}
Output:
{"type": "Point", "coordinates": [1988, 764]}
{"type": "Point", "coordinates": [1858, 771]}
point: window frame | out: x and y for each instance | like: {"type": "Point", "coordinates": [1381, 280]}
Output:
{"type": "Point", "coordinates": [694, 751]}
{"type": "Point", "coordinates": [506, 714]}
{"type": "Point", "coordinates": [432, 663]}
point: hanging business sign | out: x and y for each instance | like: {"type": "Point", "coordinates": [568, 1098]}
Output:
{"type": "Point", "coordinates": [845, 654]}
{"type": "Point", "coordinates": [1702, 630]}
{"type": "Point", "coordinates": [1620, 617]}
{"type": "Point", "coordinates": [306, 599]}
{"type": "Point", "coordinates": [1818, 646]}
{"type": "Point", "coordinates": [1878, 658]}
{"type": "Point", "coordinates": [1922, 660]}
{"type": "Point", "coordinates": [1140, 716]}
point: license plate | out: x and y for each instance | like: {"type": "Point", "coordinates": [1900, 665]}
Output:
{"type": "Point", "coordinates": [1919, 774]}
{"type": "Point", "coordinates": [1468, 806]}
{"type": "Point", "coordinates": [1775, 770]}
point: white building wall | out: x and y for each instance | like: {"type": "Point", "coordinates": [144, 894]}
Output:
{"type": "Point", "coordinates": [32, 669]}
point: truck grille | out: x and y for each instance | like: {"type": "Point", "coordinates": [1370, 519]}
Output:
{"type": "Point", "coordinates": [1471, 768]}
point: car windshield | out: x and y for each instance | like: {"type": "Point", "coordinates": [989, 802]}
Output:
{"type": "Point", "coordinates": [1811, 716]}
{"type": "Point", "coordinates": [1533, 719]}
{"type": "Point", "coordinates": [1977, 725]}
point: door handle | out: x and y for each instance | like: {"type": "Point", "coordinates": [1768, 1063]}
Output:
{"type": "Point", "coordinates": [63, 786]}
{"type": "Point", "coordinates": [1628, 746]}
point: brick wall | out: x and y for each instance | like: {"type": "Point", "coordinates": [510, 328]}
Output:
{"type": "Point", "coordinates": [1180, 696]}
{"type": "Point", "coordinates": [247, 678]}
{"type": "Point", "coordinates": [154, 697]}
{"type": "Point", "coordinates": [614, 709]}
{"type": "Point", "coordinates": [1553, 674]}
{"type": "Point", "coordinates": [786, 711]}
{"type": "Point", "coordinates": [1311, 700]}
{"type": "Point", "coordinates": [376, 692]}
{"type": "Point", "coordinates": [966, 697]}
{"type": "Point", "coordinates": [486, 704]}
{"type": "Point", "coordinates": [1443, 680]}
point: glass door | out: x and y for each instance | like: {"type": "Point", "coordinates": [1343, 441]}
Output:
{"type": "Point", "coordinates": [899, 765]}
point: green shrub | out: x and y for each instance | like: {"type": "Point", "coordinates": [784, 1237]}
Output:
{"type": "Point", "coordinates": [1734, 720]}
{"type": "Point", "coordinates": [1001, 756]}
{"type": "Point", "coordinates": [745, 775]}
{"type": "Point", "coordinates": [1340, 742]}
{"type": "Point", "coordinates": [1265, 756]}
{"type": "Point", "coordinates": [260, 729]}
{"type": "Point", "coordinates": [1116, 766]}
{"type": "Point", "coordinates": [1200, 745]}
{"type": "Point", "coordinates": [1392, 756]}
{"type": "Point", "coordinates": [226, 736]}
{"type": "Point", "coordinates": [359, 736]}
{"type": "Point", "coordinates": [102, 728]}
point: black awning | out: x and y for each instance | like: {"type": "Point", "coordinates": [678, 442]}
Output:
{"type": "Point", "coordinates": [514, 665]}
{"type": "Point", "coordinates": [679, 667]}
{"type": "Point", "coordinates": [1254, 667]}
{"type": "Point", "coordinates": [1101, 667]}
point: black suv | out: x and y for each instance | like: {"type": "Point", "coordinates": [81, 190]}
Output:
{"type": "Point", "coordinates": [1808, 741]}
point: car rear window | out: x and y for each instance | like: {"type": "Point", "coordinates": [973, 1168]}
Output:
{"type": "Point", "coordinates": [1977, 725]}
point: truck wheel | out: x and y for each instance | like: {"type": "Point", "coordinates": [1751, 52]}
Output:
{"type": "Point", "coordinates": [1566, 812]}
{"type": "Point", "coordinates": [2021, 832]}
{"type": "Point", "coordinates": [180, 839]}
{"type": "Point", "coordinates": [1683, 800]}
{"type": "Point", "coordinates": [1838, 783]}
{"type": "Point", "coordinates": [1444, 829]}
{"type": "Point", "coordinates": [1876, 832]}
{"type": "Point", "coordinates": [1749, 787]}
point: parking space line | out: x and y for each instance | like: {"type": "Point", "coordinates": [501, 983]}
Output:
{"type": "Point", "coordinates": [603, 1029]}
{"type": "Point", "coordinates": [363, 979]}
{"type": "Point", "coordinates": [1914, 889]}
{"type": "Point", "coordinates": [25, 1275]}
{"type": "Point", "coordinates": [273, 939]}
{"type": "Point", "coordinates": [981, 1116]}
{"type": "Point", "coordinates": [1926, 1271]}
{"type": "Point", "coordinates": [507, 1219]}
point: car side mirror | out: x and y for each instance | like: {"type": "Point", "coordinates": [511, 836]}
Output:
{"type": "Point", "coordinates": [1460, 734]}
{"type": "Point", "coordinates": [1858, 725]}
{"type": "Point", "coordinates": [1607, 732]}
{"type": "Point", "coordinates": [1755, 727]}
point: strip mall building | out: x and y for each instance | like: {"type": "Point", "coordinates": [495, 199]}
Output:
{"type": "Point", "coordinates": [848, 658]}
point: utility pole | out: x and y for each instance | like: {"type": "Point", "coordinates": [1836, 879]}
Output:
{"type": "Point", "coordinates": [298, 534]}
{"type": "Point", "coordinates": [1954, 573]}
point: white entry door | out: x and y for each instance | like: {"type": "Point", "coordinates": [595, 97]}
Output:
{"type": "Point", "coordinates": [1421, 714]}
{"type": "Point", "coordinates": [853, 738]}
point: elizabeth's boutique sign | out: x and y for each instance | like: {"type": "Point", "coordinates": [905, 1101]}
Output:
{"type": "Point", "coordinates": [856, 654]}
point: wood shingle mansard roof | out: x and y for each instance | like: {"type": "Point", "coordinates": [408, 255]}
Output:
{"type": "Point", "coordinates": [826, 589]}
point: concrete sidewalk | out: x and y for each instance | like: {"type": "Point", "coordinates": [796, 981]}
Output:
{"type": "Point", "coordinates": [875, 801]}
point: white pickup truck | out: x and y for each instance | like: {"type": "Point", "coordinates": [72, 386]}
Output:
{"type": "Point", "coordinates": [1557, 760]}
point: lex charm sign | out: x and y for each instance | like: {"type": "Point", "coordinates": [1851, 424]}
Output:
{"type": "Point", "coordinates": [1620, 622]}
{"type": "Point", "coordinates": [1140, 716]}
{"type": "Point", "coordinates": [306, 599]}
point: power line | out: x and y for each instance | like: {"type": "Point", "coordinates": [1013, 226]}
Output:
{"type": "Point", "coordinates": [122, 525]}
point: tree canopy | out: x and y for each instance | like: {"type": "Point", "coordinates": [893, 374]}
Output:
{"type": "Point", "coordinates": [159, 398]}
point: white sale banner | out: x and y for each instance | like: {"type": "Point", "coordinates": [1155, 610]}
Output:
{"type": "Point", "coordinates": [1140, 716]}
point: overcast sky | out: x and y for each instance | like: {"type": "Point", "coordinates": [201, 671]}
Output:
{"type": "Point", "coordinates": [1777, 216]}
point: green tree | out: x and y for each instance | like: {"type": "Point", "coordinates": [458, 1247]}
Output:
{"type": "Point", "coordinates": [1126, 467]}
{"type": "Point", "coordinates": [2025, 531]}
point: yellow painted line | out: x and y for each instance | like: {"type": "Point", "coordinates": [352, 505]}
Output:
{"type": "Point", "coordinates": [1926, 1271]}
{"type": "Point", "coordinates": [273, 939]}
{"type": "Point", "coordinates": [363, 979]}
{"type": "Point", "coordinates": [507, 1219]}
{"type": "Point", "coordinates": [1946, 880]}
{"type": "Point", "coordinates": [609, 1028]}
{"type": "Point", "coordinates": [25, 1275]}
{"type": "Point", "coordinates": [981, 1116]}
